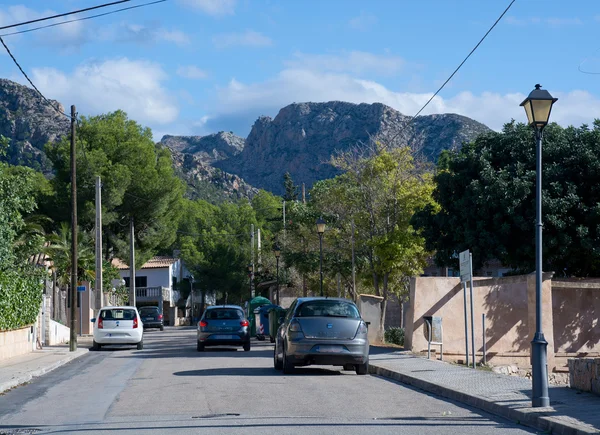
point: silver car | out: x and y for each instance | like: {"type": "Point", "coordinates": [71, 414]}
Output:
{"type": "Point", "coordinates": [223, 325]}
{"type": "Point", "coordinates": [322, 331]}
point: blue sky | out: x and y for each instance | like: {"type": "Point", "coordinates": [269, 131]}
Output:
{"type": "Point", "coordinates": [200, 66]}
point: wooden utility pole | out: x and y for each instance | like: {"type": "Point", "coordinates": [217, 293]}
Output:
{"type": "Point", "coordinates": [131, 263]}
{"type": "Point", "coordinates": [354, 295]}
{"type": "Point", "coordinates": [73, 295]}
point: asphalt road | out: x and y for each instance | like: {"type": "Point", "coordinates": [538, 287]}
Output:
{"type": "Point", "coordinates": [170, 388]}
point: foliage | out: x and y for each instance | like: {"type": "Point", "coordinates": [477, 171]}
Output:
{"type": "Point", "coordinates": [291, 190]}
{"type": "Point", "coordinates": [137, 181]}
{"type": "Point", "coordinates": [20, 298]}
{"type": "Point", "coordinates": [394, 335]}
{"type": "Point", "coordinates": [486, 192]}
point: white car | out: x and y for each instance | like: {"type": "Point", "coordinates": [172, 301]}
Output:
{"type": "Point", "coordinates": [118, 325]}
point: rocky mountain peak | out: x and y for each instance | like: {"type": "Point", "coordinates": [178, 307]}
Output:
{"type": "Point", "coordinates": [209, 149]}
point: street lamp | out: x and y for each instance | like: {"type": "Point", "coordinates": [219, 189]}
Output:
{"type": "Point", "coordinates": [277, 253]}
{"type": "Point", "coordinates": [537, 107]}
{"type": "Point", "coordinates": [191, 279]}
{"type": "Point", "coordinates": [321, 230]}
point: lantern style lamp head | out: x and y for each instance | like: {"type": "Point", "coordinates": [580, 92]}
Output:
{"type": "Point", "coordinates": [276, 251]}
{"type": "Point", "coordinates": [320, 226]}
{"type": "Point", "coordinates": [538, 106]}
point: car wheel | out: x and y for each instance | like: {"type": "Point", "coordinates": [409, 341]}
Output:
{"type": "Point", "coordinates": [140, 345]}
{"type": "Point", "coordinates": [96, 346]}
{"type": "Point", "coordinates": [362, 369]}
{"type": "Point", "coordinates": [162, 328]}
{"type": "Point", "coordinates": [272, 339]}
{"type": "Point", "coordinates": [276, 362]}
{"type": "Point", "coordinates": [199, 347]}
{"type": "Point", "coordinates": [247, 347]}
{"type": "Point", "coordinates": [287, 366]}
{"type": "Point", "coordinates": [349, 367]}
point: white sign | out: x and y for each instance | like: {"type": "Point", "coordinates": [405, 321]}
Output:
{"type": "Point", "coordinates": [465, 266]}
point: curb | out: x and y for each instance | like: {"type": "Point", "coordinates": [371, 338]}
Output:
{"type": "Point", "coordinates": [26, 377]}
{"type": "Point", "coordinates": [534, 419]}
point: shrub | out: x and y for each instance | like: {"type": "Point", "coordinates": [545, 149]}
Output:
{"type": "Point", "coordinates": [394, 335]}
{"type": "Point", "coordinates": [20, 299]}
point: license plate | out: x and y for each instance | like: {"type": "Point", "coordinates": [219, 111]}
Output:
{"type": "Point", "coordinates": [329, 349]}
{"type": "Point", "coordinates": [149, 318]}
{"type": "Point", "coordinates": [224, 337]}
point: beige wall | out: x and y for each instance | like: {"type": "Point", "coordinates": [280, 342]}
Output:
{"type": "Point", "coordinates": [16, 342]}
{"type": "Point", "coordinates": [570, 320]}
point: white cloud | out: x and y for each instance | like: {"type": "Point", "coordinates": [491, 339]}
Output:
{"type": "Point", "coordinates": [356, 62]}
{"type": "Point", "coordinates": [134, 86]}
{"type": "Point", "coordinates": [175, 36]}
{"type": "Point", "coordinates": [249, 38]}
{"type": "Point", "coordinates": [301, 85]}
{"type": "Point", "coordinates": [363, 22]}
{"type": "Point", "coordinates": [140, 34]}
{"type": "Point", "coordinates": [212, 7]}
{"type": "Point", "coordinates": [191, 72]}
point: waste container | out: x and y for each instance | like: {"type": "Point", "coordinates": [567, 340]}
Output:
{"type": "Point", "coordinates": [253, 304]}
{"type": "Point", "coordinates": [261, 319]}
{"type": "Point", "coordinates": [275, 313]}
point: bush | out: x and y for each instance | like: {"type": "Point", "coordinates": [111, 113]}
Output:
{"type": "Point", "coordinates": [395, 336]}
{"type": "Point", "coordinates": [20, 299]}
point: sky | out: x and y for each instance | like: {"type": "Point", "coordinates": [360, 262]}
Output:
{"type": "Point", "coordinates": [195, 67]}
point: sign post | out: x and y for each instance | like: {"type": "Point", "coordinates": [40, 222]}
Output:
{"type": "Point", "coordinates": [465, 275]}
{"type": "Point", "coordinates": [80, 289]}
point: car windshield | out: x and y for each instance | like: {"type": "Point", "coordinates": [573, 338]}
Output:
{"type": "Point", "coordinates": [224, 314]}
{"type": "Point", "coordinates": [328, 308]}
{"type": "Point", "coordinates": [118, 314]}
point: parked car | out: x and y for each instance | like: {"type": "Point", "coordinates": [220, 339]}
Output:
{"type": "Point", "coordinates": [322, 331]}
{"type": "Point", "coordinates": [118, 325]}
{"type": "Point", "coordinates": [152, 318]}
{"type": "Point", "coordinates": [223, 325]}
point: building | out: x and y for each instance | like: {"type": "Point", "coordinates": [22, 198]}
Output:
{"type": "Point", "coordinates": [156, 283]}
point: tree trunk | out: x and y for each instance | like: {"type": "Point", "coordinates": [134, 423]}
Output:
{"type": "Point", "coordinates": [384, 302]}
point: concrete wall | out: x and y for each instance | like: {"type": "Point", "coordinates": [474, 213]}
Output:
{"type": "Point", "coordinates": [370, 309]}
{"type": "Point", "coordinates": [56, 333]}
{"type": "Point", "coordinates": [584, 374]}
{"type": "Point", "coordinates": [16, 342]}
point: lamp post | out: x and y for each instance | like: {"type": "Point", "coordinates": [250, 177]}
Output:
{"type": "Point", "coordinates": [250, 270]}
{"type": "Point", "coordinates": [537, 107]}
{"type": "Point", "coordinates": [277, 253]}
{"type": "Point", "coordinates": [191, 279]}
{"type": "Point", "coordinates": [321, 230]}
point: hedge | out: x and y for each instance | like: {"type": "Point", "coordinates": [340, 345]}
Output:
{"type": "Point", "coordinates": [394, 335]}
{"type": "Point", "coordinates": [20, 299]}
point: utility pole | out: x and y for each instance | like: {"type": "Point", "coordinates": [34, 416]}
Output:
{"type": "Point", "coordinates": [353, 268]}
{"type": "Point", "coordinates": [258, 246]}
{"type": "Point", "coordinates": [303, 193]}
{"type": "Point", "coordinates": [73, 323]}
{"type": "Point", "coordinates": [252, 293]}
{"type": "Point", "coordinates": [284, 224]}
{"type": "Point", "coordinates": [131, 263]}
{"type": "Point", "coordinates": [99, 295]}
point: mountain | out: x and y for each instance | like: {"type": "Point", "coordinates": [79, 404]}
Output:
{"type": "Point", "coordinates": [30, 123]}
{"type": "Point", "coordinates": [209, 149]}
{"type": "Point", "coordinates": [303, 136]}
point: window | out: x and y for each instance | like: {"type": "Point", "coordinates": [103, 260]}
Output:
{"type": "Point", "coordinates": [140, 281]}
{"type": "Point", "coordinates": [328, 308]}
{"type": "Point", "coordinates": [117, 314]}
{"type": "Point", "coordinates": [224, 314]}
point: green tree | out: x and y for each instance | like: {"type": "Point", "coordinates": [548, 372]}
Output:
{"type": "Point", "coordinates": [137, 182]}
{"type": "Point", "coordinates": [291, 190]}
{"type": "Point", "coordinates": [486, 192]}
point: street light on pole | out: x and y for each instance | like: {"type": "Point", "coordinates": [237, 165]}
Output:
{"type": "Point", "coordinates": [277, 253]}
{"type": "Point", "coordinates": [321, 230]}
{"type": "Point", "coordinates": [537, 107]}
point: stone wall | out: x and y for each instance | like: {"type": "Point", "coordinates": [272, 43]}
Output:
{"type": "Point", "coordinates": [370, 309]}
{"type": "Point", "coordinates": [584, 374]}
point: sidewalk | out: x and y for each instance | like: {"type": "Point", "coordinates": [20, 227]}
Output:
{"type": "Point", "coordinates": [571, 412]}
{"type": "Point", "coordinates": [21, 369]}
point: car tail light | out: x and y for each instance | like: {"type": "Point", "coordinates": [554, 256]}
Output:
{"type": "Point", "coordinates": [295, 326]}
{"type": "Point", "coordinates": [100, 323]}
{"type": "Point", "coordinates": [362, 328]}
{"type": "Point", "coordinates": [135, 322]}
{"type": "Point", "coordinates": [245, 323]}
{"type": "Point", "coordinates": [160, 317]}
{"type": "Point", "coordinates": [203, 324]}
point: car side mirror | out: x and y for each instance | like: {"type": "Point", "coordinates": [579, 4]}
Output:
{"type": "Point", "coordinates": [93, 320]}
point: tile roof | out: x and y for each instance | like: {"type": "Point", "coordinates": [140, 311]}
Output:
{"type": "Point", "coordinates": [157, 262]}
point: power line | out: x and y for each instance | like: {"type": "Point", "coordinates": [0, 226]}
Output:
{"type": "Point", "coordinates": [84, 18]}
{"type": "Point", "coordinates": [456, 70]}
{"type": "Point", "coordinates": [64, 14]}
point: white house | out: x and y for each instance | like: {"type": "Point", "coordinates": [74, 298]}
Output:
{"type": "Point", "coordinates": [156, 282]}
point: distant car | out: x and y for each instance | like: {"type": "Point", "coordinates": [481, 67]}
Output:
{"type": "Point", "coordinates": [152, 318]}
{"type": "Point", "coordinates": [118, 325]}
{"type": "Point", "coordinates": [322, 331]}
{"type": "Point", "coordinates": [224, 325]}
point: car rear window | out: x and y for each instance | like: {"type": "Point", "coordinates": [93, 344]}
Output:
{"type": "Point", "coordinates": [118, 314]}
{"type": "Point", "coordinates": [224, 314]}
{"type": "Point", "coordinates": [149, 310]}
{"type": "Point", "coordinates": [328, 308]}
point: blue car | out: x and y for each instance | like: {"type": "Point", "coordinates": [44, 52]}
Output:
{"type": "Point", "coordinates": [224, 325]}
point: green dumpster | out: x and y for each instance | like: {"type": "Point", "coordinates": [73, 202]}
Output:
{"type": "Point", "coordinates": [275, 314]}
{"type": "Point", "coordinates": [258, 301]}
